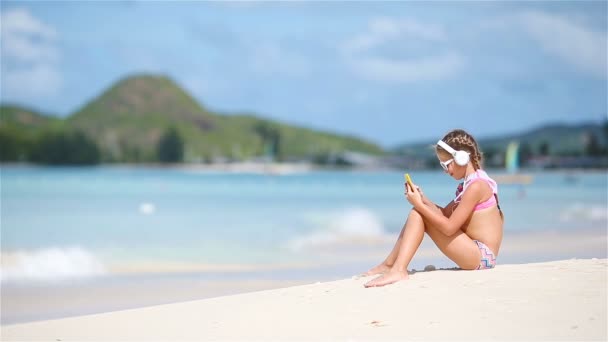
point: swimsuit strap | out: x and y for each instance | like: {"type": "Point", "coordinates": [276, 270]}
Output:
{"type": "Point", "coordinates": [472, 178]}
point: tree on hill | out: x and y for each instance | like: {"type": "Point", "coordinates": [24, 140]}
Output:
{"type": "Point", "coordinates": [271, 139]}
{"type": "Point", "coordinates": [543, 149]}
{"type": "Point", "coordinates": [13, 146]}
{"type": "Point", "coordinates": [65, 148]}
{"type": "Point", "coordinates": [525, 153]}
{"type": "Point", "coordinates": [605, 131]}
{"type": "Point", "coordinates": [171, 147]}
{"type": "Point", "coordinates": [592, 147]}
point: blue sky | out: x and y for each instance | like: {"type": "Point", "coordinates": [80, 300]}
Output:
{"type": "Point", "coordinates": [390, 72]}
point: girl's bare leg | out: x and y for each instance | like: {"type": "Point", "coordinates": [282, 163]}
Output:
{"type": "Point", "coordinates": [457, 247]}
{"type": "Point", "coordinates": [410, 238]}
{"type": "Point", "coordinates": [386, 265]}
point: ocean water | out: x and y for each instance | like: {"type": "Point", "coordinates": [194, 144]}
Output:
{"type": "Point", "coordinates": [62, 226]}
{"type": "Point", "coordinates": [85, 221]}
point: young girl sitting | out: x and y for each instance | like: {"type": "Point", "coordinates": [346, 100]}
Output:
{"type": "Point", "coordinates": [468, 230]}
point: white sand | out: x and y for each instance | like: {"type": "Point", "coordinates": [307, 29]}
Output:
{"type": "Point", "coordinates": [561, 300]}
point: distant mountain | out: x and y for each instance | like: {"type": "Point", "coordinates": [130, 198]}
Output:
{"type": "Point", "coordinates": [560, 139]}
{"type": "Point", "coordinates": [127, 121]}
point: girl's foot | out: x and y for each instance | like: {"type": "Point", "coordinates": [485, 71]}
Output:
{"type": "Point", "coordinates": [382, 268]}
{"type": "Point", "coordinates": [390, 277]}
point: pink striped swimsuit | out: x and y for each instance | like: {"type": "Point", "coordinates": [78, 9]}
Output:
{"type": "Point", "coordinates": [472, 178]}
{"type": "Point", "coordinates": [488, 259]}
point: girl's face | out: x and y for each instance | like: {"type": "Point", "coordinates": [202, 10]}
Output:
{"type": "Point", "coordinates": [450, 167]}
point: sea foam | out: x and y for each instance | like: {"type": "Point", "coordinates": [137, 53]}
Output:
{"type": "Point", "coordinates": [354, 226]}
{"type": "Point", "coordinates": [49, 265]}
{"type": "Point", "coordinates": [580, 211]}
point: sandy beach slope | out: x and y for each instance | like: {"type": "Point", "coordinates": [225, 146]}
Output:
{"type": "Point", "coordinates": [559, 300]}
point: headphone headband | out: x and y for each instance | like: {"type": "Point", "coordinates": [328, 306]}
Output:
{"type": "Point", "coordinates": [460, 157]}
{"type": "Point", "coordinates": [446, 147]}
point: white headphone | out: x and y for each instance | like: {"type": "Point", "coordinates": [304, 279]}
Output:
{"type": "Point", "coordinates": [460, 157]}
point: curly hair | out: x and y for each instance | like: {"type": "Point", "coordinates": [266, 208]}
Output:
{"type": "Point", "coordinates": [459, 139]}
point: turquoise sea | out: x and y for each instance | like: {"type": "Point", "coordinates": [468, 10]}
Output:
{"type": "Point", "coordinates": [66, 226]}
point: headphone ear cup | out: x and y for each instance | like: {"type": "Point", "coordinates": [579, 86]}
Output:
{"type": "Point", "coordinates": [461, 158]}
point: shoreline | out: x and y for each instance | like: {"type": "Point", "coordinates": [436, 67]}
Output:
{"type": "Point", "coordinates": [563, 299]}
{"type": "Point", "coordinates": [158, 282]}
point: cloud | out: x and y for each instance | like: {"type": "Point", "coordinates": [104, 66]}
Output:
{"type": "Point", "coordinates": [570, 41]}
{"type": "Point", "coordinates": [25, 38]}
{"type": "Point", "coordinates": [366, 53]}
{"type": "Point", "coordinates": [254, 4]}
{"type": "Point", "coordinates": [29, 57]}
{"type": "Point", "coordinates": [383, 30]}
{"type": "Point", "coordinates": [424, 69]}
{"type": "Point", "coordinates": [249, 51]}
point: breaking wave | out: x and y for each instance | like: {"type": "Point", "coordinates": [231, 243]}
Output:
{"type": "Point", "coordinates": [49, 264]}
{"type": "Point", "coordinates": [357, 226]}
{"type": "Point", "coordinates": [580, 211]}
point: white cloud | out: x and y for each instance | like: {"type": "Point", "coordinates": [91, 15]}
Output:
{"type": "Point", "coordinates": [25, 38]}
{"type": "Point", "coordinates": [575, 44]}
{"type": "Point", "coordinates": [382, 30]}
{"type": "Point", "coordinates": [29, 57]}
{"type": "Point", "coordinates": [362, 52]}
{"type": "Point", "coordinates": [413, 70]}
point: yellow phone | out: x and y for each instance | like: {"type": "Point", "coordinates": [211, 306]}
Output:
{"type": "Point", "coordinates": [409, 180]}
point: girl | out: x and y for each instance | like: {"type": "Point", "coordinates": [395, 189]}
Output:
{"type": "Point", "coordinates": [468, 230]}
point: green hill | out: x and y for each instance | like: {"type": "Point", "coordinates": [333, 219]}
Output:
{"type": "Point", "coordinates": [20, 128]}
{"type": "Point", "coordinates": [22, 118]}
{"type": "Point", "coordinates": [128, 120]}
{"type": "Point", "coordinates": [560, 139]}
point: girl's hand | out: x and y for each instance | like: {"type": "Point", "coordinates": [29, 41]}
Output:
{"type": "Point", "coordinates": [413, 195]}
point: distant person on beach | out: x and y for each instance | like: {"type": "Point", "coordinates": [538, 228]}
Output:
{"type": "Point", "coordinates": [468, 230]}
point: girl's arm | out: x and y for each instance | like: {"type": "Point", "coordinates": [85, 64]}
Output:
{"type": "Point", "coordinates": [447, 210]}
{"type": "Point", "coordinates": [448, 225]}
{"type": "Point", "coordinates": [430, 203]}
{"type": "Point", "coordinates": [425, 199]}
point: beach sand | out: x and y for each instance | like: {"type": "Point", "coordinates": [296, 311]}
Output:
{"type": "Point", "coordinates": [558, 300]}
